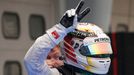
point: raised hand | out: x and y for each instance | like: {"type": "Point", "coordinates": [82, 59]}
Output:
{"type": "Point", "coordinates": [71, 17]}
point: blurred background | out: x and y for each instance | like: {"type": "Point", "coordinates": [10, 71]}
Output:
{"type": "Point", "coordinates": [22, 21]}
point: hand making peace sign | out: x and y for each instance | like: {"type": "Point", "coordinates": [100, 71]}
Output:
{"type": "Point", "coordinates": [71, 17]}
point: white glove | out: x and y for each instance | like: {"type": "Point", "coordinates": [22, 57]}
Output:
{"type": "Point", "coordinates": [69, 20]}
{"type": "Point", "coordinates": [72, 17]}
{"type": "Point", "coordinates": [67, 23]}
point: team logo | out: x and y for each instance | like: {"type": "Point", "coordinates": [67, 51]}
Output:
{"type": "Point", "coordinates": [55, 34]}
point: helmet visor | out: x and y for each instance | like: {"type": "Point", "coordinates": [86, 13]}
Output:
{"type": "Point", "coordinates": [96, 49]}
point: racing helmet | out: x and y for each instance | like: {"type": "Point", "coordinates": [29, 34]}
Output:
{"type": "Point", "coordinates": [88, 48]}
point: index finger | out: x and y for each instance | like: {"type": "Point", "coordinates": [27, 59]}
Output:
{"type": "Point", "coordinates": [79, 6]}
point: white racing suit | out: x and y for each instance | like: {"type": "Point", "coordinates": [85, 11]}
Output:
{"type": "Point", "coordinates": [37, 54]}
{"type": "Point", "coordinates": [35, 57]}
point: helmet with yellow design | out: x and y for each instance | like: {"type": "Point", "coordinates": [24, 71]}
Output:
{"type": "Point", "coordinates": [88, 48]}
